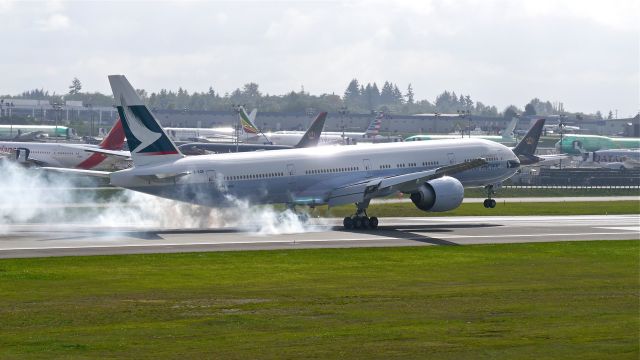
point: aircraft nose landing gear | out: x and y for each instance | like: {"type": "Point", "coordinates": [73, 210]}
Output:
{"type": "Point", "coordinates": [489, 203]}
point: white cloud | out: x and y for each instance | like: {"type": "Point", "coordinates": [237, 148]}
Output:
{"type": "Point", "coordinates": [54, 22]}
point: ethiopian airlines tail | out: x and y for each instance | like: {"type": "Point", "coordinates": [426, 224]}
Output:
{"type": "Point", "coordinates": [148, 142]}
{"type": "Point", "coordinates": [248, 127]}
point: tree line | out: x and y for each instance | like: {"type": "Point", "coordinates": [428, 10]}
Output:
{"type": "Point", "coordinates": [357, 98]}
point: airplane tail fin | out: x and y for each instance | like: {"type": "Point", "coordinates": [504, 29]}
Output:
{"type": "Point", "coordinates": [312, 135]}
{"type": "Point", "coordinates": [148, 142]}
{"type": "Point", "coordinates": [248, 127]}
{"type": "Point", "coordinates": [252, 115]}
{"type": "Point", "coordinates": [508, 134]}
{"type": "Point", "coordinates": [114, 140]}
{"type": "Point", "coordinates": [374, 126]}
{"type": "Point", "coordinates": [526, 148]}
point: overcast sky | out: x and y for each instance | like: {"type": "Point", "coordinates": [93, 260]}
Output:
{"type": "Point", "coordinates": [583, 53]}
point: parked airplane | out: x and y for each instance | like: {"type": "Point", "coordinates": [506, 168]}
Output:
{"type": "Point", "coordinates": [507, 136]}
{"type": "Point", "coordinates": [612, 159]}
{"type": "Point", "coordinates": [371, 134]}
{"type": "Point", "coordinates": [577, 144]}
{"type": "Point", "coordinates": [222, 134]}
{"type": "Point", "coordinates": [107, 155]}
{"type": "Point", "coordinates": [252, 135]}
{"type": "Point", "coordinates": [11, 131]}
{"type": "Point", "coordinates": [433, 172]}
{"type": "Point", "coordinates": [309, 139]}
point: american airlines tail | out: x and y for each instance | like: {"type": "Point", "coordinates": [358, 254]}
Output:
{"type": "Point", "coordinates": [374, 126]}
{"type": "Point", "coordinates": [148, 142]}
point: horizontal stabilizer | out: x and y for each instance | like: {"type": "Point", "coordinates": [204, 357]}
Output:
{"type": "Point", "coordinates": [92, 173]}
{"type": "Point", "coordinates": [116, 153]}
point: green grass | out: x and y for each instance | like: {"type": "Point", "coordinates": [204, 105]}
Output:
{"type": "Point", "coordinates": [501, 209]}
{"type": "Point", "coordinates": [522, 301]}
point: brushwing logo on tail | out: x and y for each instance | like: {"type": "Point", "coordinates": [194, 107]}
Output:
{"type": "Point", "coordinates": [141, 127]}
{"type": "Point", "coordinates": [140, 132]}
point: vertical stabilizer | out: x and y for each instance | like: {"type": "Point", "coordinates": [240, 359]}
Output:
{"type": "Point", "coordinates": [508, 134]}
{"type": "Point", "coordinates": [374, 126]}
{"type": "Point", "coordinates": [114, 140]}
{"type": "Point", "coordinates": [526, 148]}
{"type": "Point", "coordinates": [312, 135]}
{"type": "Point", "coordinates": [148, 142]}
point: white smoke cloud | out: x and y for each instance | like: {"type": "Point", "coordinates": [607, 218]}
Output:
{"type": "Point", "coordinates": [34, 196]}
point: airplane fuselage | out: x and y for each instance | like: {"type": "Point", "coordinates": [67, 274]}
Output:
{"type": "Point", "coordinates": [307, 176]}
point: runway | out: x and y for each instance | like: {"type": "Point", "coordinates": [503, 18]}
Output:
{"type": "Point", "coordinates": [36, 240]}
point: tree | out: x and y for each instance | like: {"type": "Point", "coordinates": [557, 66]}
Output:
{"type": "Point", "coordinates": [510, 112]}
{"type": "Point", "coordinates": [610, 115]}
{"type": "Point", "coordinates": [386, 95]}
{"type": "Point", "coordinates": [598, 115]}
{"type": "Point", "coordinates": [409, 95]}
{"type": "Point", "coordinates": [75, 87]}
{"type": "Point", "coordinates": [529, 109]}
{"type": "Point", "coordinates": [352, 93]}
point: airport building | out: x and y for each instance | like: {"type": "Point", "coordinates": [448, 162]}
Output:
{"type": "Point", "coordinates": [103, 117]}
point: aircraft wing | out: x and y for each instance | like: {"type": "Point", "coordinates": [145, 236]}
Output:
{"type": "Point", "coordinates": [93, 173]}
{"type": "Point", "coordinates": [116, 153]}
{"type": "Point", "coordinates": [383, 186]}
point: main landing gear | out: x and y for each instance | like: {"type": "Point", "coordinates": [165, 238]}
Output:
{"type": "Point", "coordinates": [489, 203]}
{"type": "Point", "coordinates": [360, 220]}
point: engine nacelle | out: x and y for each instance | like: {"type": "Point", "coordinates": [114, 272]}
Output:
{"type": "Point", "coordinates": [442, 194]}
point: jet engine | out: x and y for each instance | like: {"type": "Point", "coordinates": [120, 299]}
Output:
{"type": "Point", "coordinates": [442, 194]}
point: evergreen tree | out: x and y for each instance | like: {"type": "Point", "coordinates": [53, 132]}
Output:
{"type": "Point", "coordinates": [386, 95]}
{"type": "Point", "coordinates": [409, 94]}
{"type": "Point", "coordinates": [529, 109]}
{"type": "Point", "coordinates": [352, 93]}
{"type": "Point", "coordinates": [75, 86]}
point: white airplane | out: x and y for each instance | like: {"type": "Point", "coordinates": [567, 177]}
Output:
{"type": "Point", "coordinates": [106, 156]}
{"type": "Point", "coordinates": [252, 135]}
{"type": "Point", "coordinates": [222, 134]}
{"type": "Point", "coordinates": [372, 134]}
{"type": "Point", "coordinates": [433, 172]}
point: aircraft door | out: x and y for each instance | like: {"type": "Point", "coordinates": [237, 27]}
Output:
{"type": "Point", "coordinates": [452, 158]}
{"type": "Point", "coordinates": [291, 176]}
{"type": "Point", "coordinates": [366, 165]}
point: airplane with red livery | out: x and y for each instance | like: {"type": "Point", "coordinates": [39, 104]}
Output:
{"type": "Point", "coordinates": [108, 155]}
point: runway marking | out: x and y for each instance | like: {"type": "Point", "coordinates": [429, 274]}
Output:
{"type": "Point", "coordinates": [295, 241]}
{"type": "Point", "coordinates": [625, 228]}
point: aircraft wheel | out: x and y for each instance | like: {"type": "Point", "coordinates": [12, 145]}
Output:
{"type": "Point", "coordinates": [485, 203]}
{"type": "Point", "coordinates": [373, 222]}
{"type": "Point", "coordinates": [348, 223]}
{"type": "Point", "coordinates": [358, 223]}
{"type": "Point", "coordinates": [492, 203]}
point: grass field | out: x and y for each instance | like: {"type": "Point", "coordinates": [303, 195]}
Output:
{"type": "Point", "coordinates": [523, 301]}
{"type": "Point", "coordinates": [501, 209]}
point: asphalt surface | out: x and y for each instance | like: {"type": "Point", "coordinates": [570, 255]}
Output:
{"type": "Point", "coordinates": [35, 240]}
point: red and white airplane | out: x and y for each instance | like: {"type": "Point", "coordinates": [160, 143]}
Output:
{"type": "Point", "coordinates": [105, 156]}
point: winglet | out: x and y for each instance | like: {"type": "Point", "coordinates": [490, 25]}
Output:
{"type": "Point", "coordinates": [312, 135]}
